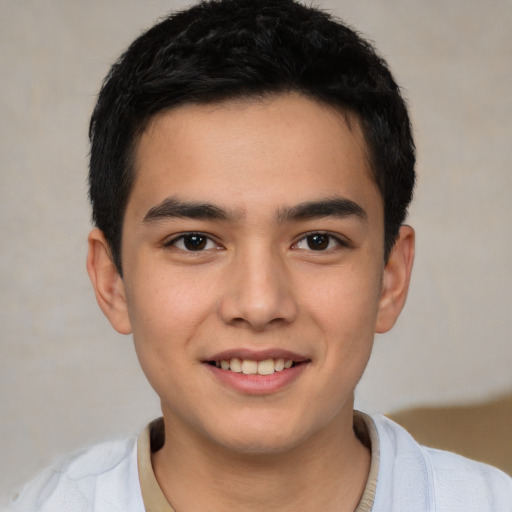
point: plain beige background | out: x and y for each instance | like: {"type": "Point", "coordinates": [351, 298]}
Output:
{"type": "Point", "coordinates": [67, 380]}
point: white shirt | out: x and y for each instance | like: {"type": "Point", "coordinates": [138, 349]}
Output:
{"type": "Point", "coordinates": [411, 478]}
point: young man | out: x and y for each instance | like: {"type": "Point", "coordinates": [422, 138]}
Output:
{"type": "Point", "coordinates": [251, 167]}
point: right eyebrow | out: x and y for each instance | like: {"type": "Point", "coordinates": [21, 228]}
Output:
{"type": "Point", "coordinates": [172, 207]}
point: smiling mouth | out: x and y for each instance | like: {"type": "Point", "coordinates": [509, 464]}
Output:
{"type": "Point", "coordinates": [251, 367]}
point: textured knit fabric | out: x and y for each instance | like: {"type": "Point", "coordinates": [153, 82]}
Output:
{"type": "Point", "coordinates": [410, 477]}
{"type": "Point", "coordinates": [102, 478]}
{"type": "Point", "coordinates": [415, 478]}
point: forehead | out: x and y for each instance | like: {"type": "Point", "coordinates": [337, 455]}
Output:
{"type": "Point", "coordinates": [246, 153]}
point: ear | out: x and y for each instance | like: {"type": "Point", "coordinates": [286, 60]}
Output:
{"type": "Point", "coordinates": [395, 281]}
{"type": "Point", "coordinates": [107, 283]}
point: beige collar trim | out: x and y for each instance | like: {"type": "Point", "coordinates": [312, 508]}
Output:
{"type": "Point", "coordinates": [152, 496]}
{"type": "Point", "coordinates": [366, 431]}
{"type": "Point", "coordinates": [152, 438]}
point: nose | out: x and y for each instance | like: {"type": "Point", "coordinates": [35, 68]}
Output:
{"type": "Point", "coordinates": [258, 291]}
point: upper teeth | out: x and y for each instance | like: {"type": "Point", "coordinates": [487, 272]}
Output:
{"type": "Point", "coordinates": [249, 367]}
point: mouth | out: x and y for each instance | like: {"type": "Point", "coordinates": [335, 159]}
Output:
{"type": "Point", "coordinates": [257, 372]}
{"type": "Point", "coordinates": [253, 367]}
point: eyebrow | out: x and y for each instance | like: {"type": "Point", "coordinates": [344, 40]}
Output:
{"type": "Point", "coordinates": [175, 208]}
{"type": "Point", "coordinates": [338, 207]}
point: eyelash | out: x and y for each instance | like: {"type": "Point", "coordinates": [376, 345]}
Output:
{"type": "Point", "coordinates": [307, 238]}
{"type": "Point", "coordinates": [339, 242]}
{"type": "Point", "coordinates": [189, 236]}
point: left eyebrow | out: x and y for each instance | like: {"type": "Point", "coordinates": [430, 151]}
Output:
{"type": "Point", "coordinates": [338, 207]}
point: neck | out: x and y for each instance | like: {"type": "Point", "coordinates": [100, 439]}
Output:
{"type": "Point", "coordinates": [327, 472]}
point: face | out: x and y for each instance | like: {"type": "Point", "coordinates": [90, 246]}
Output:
{"type": "Point", "coordinates": [253, 272]}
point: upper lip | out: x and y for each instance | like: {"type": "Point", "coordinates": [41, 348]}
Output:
{"type": "Point", "coordinates": [258, 355]}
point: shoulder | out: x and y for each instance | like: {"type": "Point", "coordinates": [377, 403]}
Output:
{"type": "Point", "coordinates": [435, 480]}
{"type": "Point", "coordinates": [102, 477]}
{"type": "Point", "coordinates": [460, 480]}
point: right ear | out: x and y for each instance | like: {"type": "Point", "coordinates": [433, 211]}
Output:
{"type": "Point", "coordinates": [107, 283]}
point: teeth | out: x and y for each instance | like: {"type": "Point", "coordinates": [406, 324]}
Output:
{"type": "Point", "coordinates": [266, 367]}
{"type": "Point", "coordinates": [235, 365]}
{"type": "Point", "coordinates": [250, 367]}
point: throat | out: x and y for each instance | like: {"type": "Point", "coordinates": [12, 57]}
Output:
{"type": "Point", "coordinates": [195, 478]}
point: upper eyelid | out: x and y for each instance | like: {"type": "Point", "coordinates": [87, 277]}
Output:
{"type": "Point", "coordinates": [172, 239]}
{"type": "Point", "coordinates": [343, 240]}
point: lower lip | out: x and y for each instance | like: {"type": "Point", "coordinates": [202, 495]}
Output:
{"type": "Point", "coordinates": [257, 384]}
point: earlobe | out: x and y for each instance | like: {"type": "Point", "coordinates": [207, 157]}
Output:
{"type": "Point", "coordinates": [395, 283]}
{"type": "Point", "coordinates": [107, 283]}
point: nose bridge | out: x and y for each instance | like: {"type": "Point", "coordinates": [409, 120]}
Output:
{"type": "Point", "coordinates": [259, 289]}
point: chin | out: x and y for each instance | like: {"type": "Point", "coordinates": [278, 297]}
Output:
{"type": "Point", "coordinates": [256, 438]}
{"type": "Point", "coordinates": [265, 445]}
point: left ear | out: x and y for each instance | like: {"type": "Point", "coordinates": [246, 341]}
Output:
{"type": "Point", "coordinates": [395, 281]}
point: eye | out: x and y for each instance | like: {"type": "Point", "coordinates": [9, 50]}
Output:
{"type": "Point", "coordinates": [192, 242]}
{"type": "Point", "coordinates": [319, 242]}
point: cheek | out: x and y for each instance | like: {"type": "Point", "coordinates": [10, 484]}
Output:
{"type": "Point", "coordinates": [346, 313]}
{"type": "Point", "coordinates": [166, 311]}
{"type": "Point", "coordinates": [167, 317]}
{"type": "Point", "coordinates": [347, 301]}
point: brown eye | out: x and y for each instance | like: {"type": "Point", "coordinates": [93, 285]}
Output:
{"type": "Point", "coordinates": [193, 242]}
{"type": "Point", "coordinates": [318, 242]}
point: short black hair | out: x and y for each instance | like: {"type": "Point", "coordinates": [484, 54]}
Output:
{"type": "Point", "coordinates": [219, 50]}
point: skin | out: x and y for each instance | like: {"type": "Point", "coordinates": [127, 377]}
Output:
{"type": "Point", "coordinates": [256, 284]}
